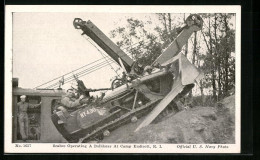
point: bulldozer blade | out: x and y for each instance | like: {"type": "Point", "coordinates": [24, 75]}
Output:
{"type": "Point", "coordinates": [161, 106]}
{"type": "Point", "coordinates": [189, 73]}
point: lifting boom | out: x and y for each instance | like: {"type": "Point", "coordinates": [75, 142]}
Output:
{"type": "Point", "coordinates": [149, 94]}
{"type": "Point", "coordinates": [104, 42]}
{"type": "Point", "coordinates": [192, 24]}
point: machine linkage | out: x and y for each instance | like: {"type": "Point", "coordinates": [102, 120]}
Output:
{"type": "Point", "coordinates": [138, 112]}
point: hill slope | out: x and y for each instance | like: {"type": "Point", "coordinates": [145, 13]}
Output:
{"type": "Point", "coordinates": [195, 125]}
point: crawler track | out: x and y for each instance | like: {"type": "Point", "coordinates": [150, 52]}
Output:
{"type": "Point", "coordinates": [138, 112]}
{"type": "Point", "coordinates": [126, 118]}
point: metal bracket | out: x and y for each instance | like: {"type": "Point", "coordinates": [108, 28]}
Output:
{"type": "Point", "coordinates": [136, 93]}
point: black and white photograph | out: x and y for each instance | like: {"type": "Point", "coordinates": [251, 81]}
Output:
{"type": "Point", "coordinates": [122, 79]}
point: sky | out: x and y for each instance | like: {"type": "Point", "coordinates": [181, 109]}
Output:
{"type": "Point", "coordinates": [46, 46]}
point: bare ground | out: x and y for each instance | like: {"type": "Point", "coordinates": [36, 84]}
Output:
{"type": "Point", "coordinates": [215, 124]}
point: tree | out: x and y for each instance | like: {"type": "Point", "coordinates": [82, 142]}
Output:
{"type": "Point", "coordinates": [210, 50]}
{"type": "Point", "coordinates": [220, 43]}
{"type": "Point", "coordinates": [141, 44]}
{"type": "Point", "coordinates": [209, 66]}
{"type": "Point", "coordinates": [187, 44]}
{"type": "Point", "coordinates": [228, 45]}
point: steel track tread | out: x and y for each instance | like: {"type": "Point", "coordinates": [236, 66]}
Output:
{"type": "Point", "coordinates": [123, 119]}
{"type": "Point", "coordinates": [126, 117]}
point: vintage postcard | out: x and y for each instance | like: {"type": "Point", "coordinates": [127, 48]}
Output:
{"type": "Point", "coordinates": [122, 79]}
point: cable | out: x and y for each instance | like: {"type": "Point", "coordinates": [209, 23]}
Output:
{"type": "Point", "coordinates": [78, 74]}
{"type": "Point", "coordinates": [92, 67]}
{"type": "Point", "coordinates": [82, 72]}
{"type": "Point", "coordinates": [92, 71]}
{"type": "Point", "coordinates": [101, 54]}
{"type": "Point", "coordinates": [97, 68]}
{"type": "Point", "coordinates": [104, 57]}
{"type": "Point", "coordinates": [68, 73]}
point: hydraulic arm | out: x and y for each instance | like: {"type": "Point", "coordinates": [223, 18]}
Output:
{"type": "Point", "coordinates": [193, 23]}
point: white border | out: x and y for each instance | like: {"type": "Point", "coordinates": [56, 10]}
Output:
{"type": "Point", "coordinates": [9, 147]}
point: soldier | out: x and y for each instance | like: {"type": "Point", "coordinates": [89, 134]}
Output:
{"type": "Point", "coordinates": [23, 116]}
{"type": "Point", "coordinates": [70, 100]}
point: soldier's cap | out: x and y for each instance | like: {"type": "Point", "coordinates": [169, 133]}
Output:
{"type": "Point", "coordinates": [23, 96]}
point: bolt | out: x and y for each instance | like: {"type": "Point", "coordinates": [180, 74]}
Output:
{"type": "Point", "coordinates": [106, 133]}
{"type": "Point", "coordinates": [134, 119]}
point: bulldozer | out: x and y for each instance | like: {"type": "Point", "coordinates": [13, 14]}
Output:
{"type": "Point", "coordinates": [140, 92]}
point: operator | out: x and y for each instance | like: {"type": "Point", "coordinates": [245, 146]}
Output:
{"type": "Point", "coordinates": [137, 68]}
{"type": "Point", "coordinates": [23, 116]}
{"type": "Point", "coordinates": [70, 100]}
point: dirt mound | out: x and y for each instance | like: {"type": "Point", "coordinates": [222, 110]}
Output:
{"type": "Point", "coordinates": [195, 125]}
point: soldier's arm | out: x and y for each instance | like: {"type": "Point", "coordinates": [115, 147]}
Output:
{"type": "Point", "coordinates": [67, 103]}
{"type": "Point", "coordinates": [34, 105]}
{"type": "Point", "coordinates": [18, 110]}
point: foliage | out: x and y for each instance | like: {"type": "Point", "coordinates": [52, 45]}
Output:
{"type": "Point", "coordinates": [210, 49]}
